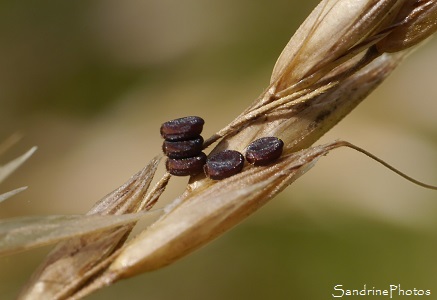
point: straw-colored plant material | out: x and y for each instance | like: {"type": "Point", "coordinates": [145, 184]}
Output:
{"type": "Point", "coordinates": [9, 194]}
{"type": "Point", "coordinates": [11, 166]}
{"type": "Point", "coordinates": [20, 234]}
{"type": "Point", "coordinates": [72, 262]}
{"type": "Point", "coordinates": [343, 51]}
{"type": "Point", "coordinates": [7, 169]}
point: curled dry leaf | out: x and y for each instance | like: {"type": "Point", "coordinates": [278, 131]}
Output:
{"type": "Point", "coordinates": [329, 66]}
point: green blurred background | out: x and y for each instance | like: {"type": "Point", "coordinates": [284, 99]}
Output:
{"type": "Point", "coordinates": [90, 82]}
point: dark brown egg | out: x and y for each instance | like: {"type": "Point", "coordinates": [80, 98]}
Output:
{"type": "Point", "coordinates": [224, 164]}
{"type": "Point", "coordinates": [182, 128]}
{"type": "Point", "coordinates": [186, 166]}
{"type": "Point", "coordinates": [264, 151]}
{"type": "Point", "coordinates": [183, 149]}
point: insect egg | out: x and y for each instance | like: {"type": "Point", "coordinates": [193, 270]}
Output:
{"type": "Point", "coordinates": [183, 149]}
{"type": "Point", "coordinates": [224, 164]}
{"type": "Point", "coordinates": [263, 151]}
{"type": "Point", "coordinates": [186, 166]}
{"type": "Point", "coordinates": [182, 129]}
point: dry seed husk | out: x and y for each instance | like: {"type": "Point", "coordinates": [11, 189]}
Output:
{"type": "Point", "coordinates": [209, 208]}
{"type": "Point", "coordinates": [331, 29]}
{"type": "Point", "coordinates": [416, 21]}
{"type": "Point", "coordinates": [201, 217]}
{"type": "Point", "coordinates": [325, 47]}
{"type": "Point", "coordinates": [71, 263]}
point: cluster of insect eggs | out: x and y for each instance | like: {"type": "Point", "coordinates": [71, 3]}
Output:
{"type": "Point", "coordinates": [183, 146]}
